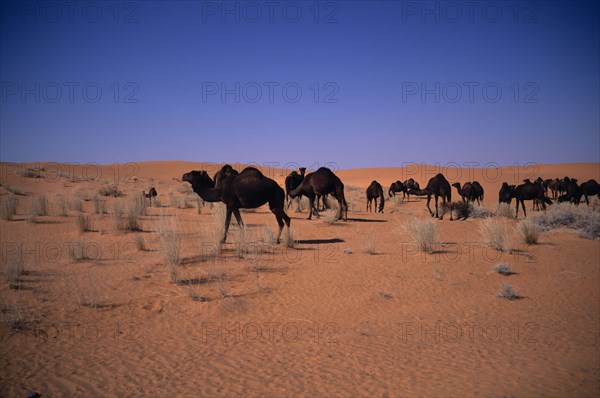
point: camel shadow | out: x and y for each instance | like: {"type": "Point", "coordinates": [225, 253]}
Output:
{"type": "Point", "coordinates": [365, 220]}
{"type": "Point", "coordinates": [319, 241]}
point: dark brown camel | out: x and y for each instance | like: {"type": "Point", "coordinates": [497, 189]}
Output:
{"type": "Point", "coordinates": [590, 188]}
{"type": "Point", "coordinates": [397, 186]}
{"type": "Point", "coordinates": [322, 182]}
{"type": "Point", "coordinates": [292, 181]}
{"type": "Point", "coordinates": [573, 192]}
{"type": "Point", "coordinates": [247, 190]}
{"type": "Point", "coordinates": [151, 194]}
{"type": "Point", "coordinates": [466, 192]}
{"type": "Point", "coordinates": [410, 184]}
{"type": "Point", "coordinates": [437, 186]}
{"type": "Point", "coordinates": [375, 191]}
{"type": "Point", "coordinates": [225, 172]}
{"type": "Point", "coordinates": [530, 191]}
{"type": "Point", "coordinates": [478, 191]}
{"type": "Point", "coordinates": [555, 188]}
{"type": "Point", "coordinates": [507, 193]}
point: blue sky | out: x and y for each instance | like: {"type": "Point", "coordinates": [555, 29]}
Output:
{"type": "Point", "coordinates": [381, 83]}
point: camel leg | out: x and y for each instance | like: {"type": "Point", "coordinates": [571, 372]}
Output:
{"type": "Point", "coordinates": [524, 212]}
{"type": "Point", "coordinates": [238, 217]}
{"type": "Point", "coordinates": [517, 210]}
{"type": "Point", "coordinates": [436, 208]}
{"type": "Point", "coordinates": [367, 208]}
{"type": "Point", "coordinates": [429, 208]}
{"type": "Point", "coordinates": [227, 221]}
{"type": "Point", "coordinates": [311, 200]}
{"type": "Point", "coordinates": [281, 217]}
{"type": "Point", "coordinates": [343, 214]}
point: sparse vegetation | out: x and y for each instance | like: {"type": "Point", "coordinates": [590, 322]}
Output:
{"type": "Point", "coordinates": [170, 246]}
{"type": "Point", "coordinates": [139, 242]}
{"type": "Point", "coordinates": [76, 204]}
{"type": "Point", "coordinates": [504, 210]}
{"type": "Point", "coordinates": [370, 242]}
{"type": "Point", "coordinates": [528, 231]}
{"type": "Point", "coordinates": [503, 269]}
{"type": "Point", "coordinates": [329, 216]}
{"type": "Point", "coordinates": [385, 294]}
{"type": "Point", "coordinates": [268, 235]}
{"type": "Point", "coordinates": [37, 206]}
{"type": "Point", "coordinates": [84, 223]}
{"type": "Point", "coordinates": [31, 173]}
{"type": "Point", "coordinates": [8, 207]}
{"type": "Point", "coordinates": [478, 211]}
{"type": "Point", "coordinates": [564, 215]}
{"type": "Point", "coordinates": [77, 251]}
{"type": "Point", "coordinates": [423, 233]}
{"type": "Point", "coordinates": [15, 267]}
{"type": "Point", "coordinates": [288, 237]}
{"type": "Point", "coordinates": [508, 292]}
{"type": "Point", "coordinates": [127, 218]}
{"type": "Point", "coordinates": [111, 190]}
{"type": "Point", "coordinates": [494, 233]}
{"type": "Point", "coordinates": [99, 204]}
{"type": "Point", "coordinates": [61, 206]}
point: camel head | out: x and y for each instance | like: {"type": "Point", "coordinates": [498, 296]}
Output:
{"type": "Point", "coordinates": [302, 170]}
{"type": "Point", "coordinates": [198, 177]}
{"type": "Point", "coordinates": [457, 185]}
{"type": "Point", "coordinates": [153, 192]}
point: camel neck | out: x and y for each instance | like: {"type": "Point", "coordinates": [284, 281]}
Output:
{"type": "Point", "coordinates": [207, 194]}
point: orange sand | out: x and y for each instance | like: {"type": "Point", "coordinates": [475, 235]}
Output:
{"type": "Point", "coordinates": [314, 320]}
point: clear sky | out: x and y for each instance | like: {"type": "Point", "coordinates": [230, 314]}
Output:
{"type": "Point", "coordinates": [356, 83]}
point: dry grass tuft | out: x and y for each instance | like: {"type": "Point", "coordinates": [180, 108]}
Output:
{"type": "Point", "coordinates": [8, 207]}
{"type": "Point", "coordinates": [99, 204]}
{"type": "Point", "coordinates": [508, 292]}
{"type": "Point", "coordinates": [503, 269]}
{"type": "Point", "coordinates": [370, 243]}
{"type": "Point", "coordinates": [15, 267]}
{"type": "Point", "coordinates": [504, 210]}
{"type": "Point", "coordinates": [38, 206]}
{"type": "Point", "coordinates": [170, 246]}
{"type": "Point", "coordinates": [494, 233]}
{"type": "Point", "coordinates": [84, 223]}
{"type": "Point", "coordinates": [111, 190]}
{"type": "Point", "coordinates": [528, 231]}
{"type": "Point", "coordinates": [76, 204]}
{"type": "Point", "coordinates": [139, 242]}
{"type": "Point", "coordinates": [423, 233]}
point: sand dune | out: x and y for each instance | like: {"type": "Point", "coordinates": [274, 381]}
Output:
{"type": "Point", "coordinates": [324, 318]}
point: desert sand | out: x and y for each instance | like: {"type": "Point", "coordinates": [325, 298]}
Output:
{"type": "Point", "coordinates": [338, 314]}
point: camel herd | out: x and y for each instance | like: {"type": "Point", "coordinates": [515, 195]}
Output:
{"type": "Point", "coordinates": [250, 189]}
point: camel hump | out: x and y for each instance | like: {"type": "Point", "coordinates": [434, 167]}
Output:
{"type": "Point", "coordinates": [252, 171]}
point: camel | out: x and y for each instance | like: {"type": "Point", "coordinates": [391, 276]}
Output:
{"type": "Point", "coordinates": [555, 188]}
{"type": "Point", "coordinates": [292, 181]}
{"type": "Point", "coordinates": [529, 191]}
{"type": "Point", "coordinates": [397, 186]}
{"type": "Point", "coordinates": [222, 174]}
{"type": "Point", "coordinates": [573, 192]}
{"type": "Point", "coordinates": [322, 182]}
{"type": "Point", "coordinates": [478, 191]}
{"type": "Point", "coordinates": [467, 192]}
{"type": "Point", "coordinates": [437, 186]}
{"type": "Point", "coordinates": [590, 188]}
{"type": "Point", "coordinates": [410, 185]}
{"type": "Point", "coordinates": [507, 193]}
{"type": "Point", "coordinates": [151, 194]}
{"type": "Point", "coordinates": [375, 191]}
{"type": "Point", "coordinates": [246, 190]}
